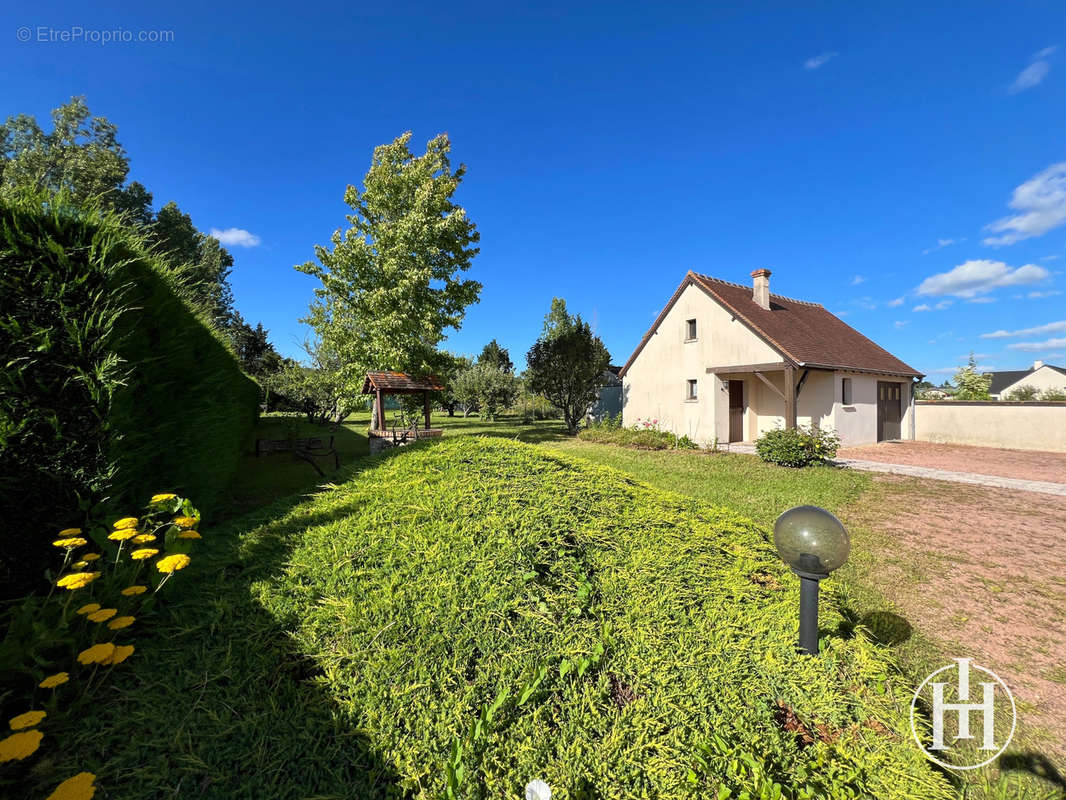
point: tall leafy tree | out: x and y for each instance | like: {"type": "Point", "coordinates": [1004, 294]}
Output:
{"type": "Point", "coordinates": [567, 364]}
{"type": "Point", "coordinates": [254, 350]}
{"type": "Point", "coordinates": [495, 356]}
{"type": "Point", "coordinates": [971, 384]}
{"type": "Point", "coordinates": [392, 283]}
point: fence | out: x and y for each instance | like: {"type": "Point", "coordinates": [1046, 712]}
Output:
{"type": "Point", "coordinates": [1018, 426]}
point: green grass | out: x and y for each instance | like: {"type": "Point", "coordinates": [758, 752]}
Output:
{"type": "Point", "coordinates": [638, 644]}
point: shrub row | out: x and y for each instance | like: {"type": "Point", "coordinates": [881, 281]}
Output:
{"type": "Point", "coordinates": [113, 384]}
{"type": "Point", "coordinates": [645, 435]}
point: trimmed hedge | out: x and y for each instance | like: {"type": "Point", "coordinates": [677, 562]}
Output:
{"type": "Point", "coordinates": [114, 387]}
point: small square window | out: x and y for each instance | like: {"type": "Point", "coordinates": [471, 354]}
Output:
{"type": "Point", "coordinates": [845, 391]}
{"type": "Point", "coordinates": [691, 390]}
{"type": "Point", "coordinates": [690, 330]}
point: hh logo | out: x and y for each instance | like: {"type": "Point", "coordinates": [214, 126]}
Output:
{"type": "Point", "coordinates": [963, 715]}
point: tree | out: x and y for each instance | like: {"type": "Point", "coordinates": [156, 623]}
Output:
{"type": "Point", "coordinates": [451, 366]}
{"type": "Point", "coordinates": [971, 384]}
{"type": "Point", "coordinates": [496, 356]}
{"type": "Point", "coordinates": [485, 387]}
{"type": "Point", "coordinates": [254, 350]}
{"type": "Point", "coordinates": [391, 283]}
{"type": "Point", "coordinates": [567, 365]}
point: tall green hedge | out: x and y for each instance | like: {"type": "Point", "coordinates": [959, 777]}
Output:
{"type": "Point", "coordinates": [112, 385]}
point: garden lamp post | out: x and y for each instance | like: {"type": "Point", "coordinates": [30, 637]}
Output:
{"type": "Point", "coordinates": [814, 543]}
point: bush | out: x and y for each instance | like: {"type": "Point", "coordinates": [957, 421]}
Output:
{"type": "Point", "coordinates": [113, 384]}
{"type": "Point", "coordinates": [798, 447]}
{"type": "Point", "coordinates": [528, 616]}
{"type": "Point", "coordinates": [643, 436]}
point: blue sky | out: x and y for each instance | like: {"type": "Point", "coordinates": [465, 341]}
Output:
{"type": "Point", "coordinates": [904, 164]}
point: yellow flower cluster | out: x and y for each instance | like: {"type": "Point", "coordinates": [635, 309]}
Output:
{"type": "Point", "coordinates": [70, 542]}
{"type": "Point", "coordinates": [19, 745]}
{"type": "Point", "coordinates": [80, 787]}
{"type": "Point", "coordinates": [173, 563]}
{"type": "Point", "coordinates": [186, 522]}
{"type": "Point", "coordinates": [143, 553]}
{"type": "Point", "coordinates": [31, 719]}
{"type": "Point", "coordinates": [77, 580]}
{"type": "Point", "coordinates": [161, 498]}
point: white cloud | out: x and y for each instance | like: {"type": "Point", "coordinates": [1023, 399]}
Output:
{"type": "Point", "coordinates": [1030, 76]}
{"type": "Point", "coordinates": [901, 323]}
{"type": "Point", "coordinates": [1037, 347]}
{"type": "Point", "coordinates": [841, 313]}
{"type": "Point", "coordinates": [236, 237]}
{"type": "Point", "coordinates": [981, 300]}
{"type": "Point", "coordinates": [1038, 295]}
{"type": "Point", "coordinates": [857, 280]}
{"type": "Point", "coordinates": [1049, 258]}
{"type": "Point", "coordinates": [980, 276]}
{"type": "Point", "coordinates": [1051, 327]}
{"type": "Point", "coordinates": [1042, 203]}
{"type": "Point", "coordinates": [895, 303]}
{"type": "Point", "coordinates": [941, 244]}
{"type": "Point", "coordinates": [923, 307]}
{"type": "Point", "coordinates": [1047, 51]}
{"type": "Point", "coordinates": [819, 60]}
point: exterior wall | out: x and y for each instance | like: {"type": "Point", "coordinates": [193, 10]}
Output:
{"type": "Point", "coordinates": [1041, 379]}
{"type": "Point", "coordinates": [1018, 426]}
{"type": "Point", "coordinates": [654, 385]}
{"type": "Point", "coordinates": [856, 424]}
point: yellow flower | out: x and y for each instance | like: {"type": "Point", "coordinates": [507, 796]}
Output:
{"type": "Point", "coordinates": [76, 580]}
{"type": "Point", "coordinates": [90, 556]}
{"type": "Point", "coordinates": [69, 532]}
{"type": "Point", "coordinates": [31, 719]}
{"type": "Point", "coordinates": [20, 745]}
{"type": "Point", "coordinates": [52, 681]}
{"type": "Point", "coordinates": [144, 538]}
{"type": "Point", "coordinates": [80, 787]}
{"type": "Point", "coordinates": [125, 522]}
{"type": "Point", "coordinates": [173, 563]}
{"type": "Point", "coordinates": [80, 564]}
{"type": "Point", "coordinates": [143, 553]}
{"type": "Point", "coordinates": [103, 615]}
{"type": "Point", "coordinates": [129, 591]}
{"type": "Point", "coordinates": [185, 522]}
{"type": "Point", "coordinates": [97, 654]}
{"type": "Point", "coordinates": [73, 541]}
{"type": "Point", "coordinates": [159, 498]}
{"type": "Point", "coordinates": [122, 535]}
{"type": "Point", "coordinates": [89, 608]}
{"type": "Point", "coordinates": [190, 535]}
{"type": "Point", "coordinates": [120, 622]}
{"type": "Point", "coordinates": [122, 652]}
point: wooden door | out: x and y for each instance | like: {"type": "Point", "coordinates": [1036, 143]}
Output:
{"type": "Point", "coordinates": [889, 410]}
{"type": "Point", "coordinates": [736, 411]}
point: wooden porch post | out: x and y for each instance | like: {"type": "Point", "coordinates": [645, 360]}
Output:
{"type": "Point", "coordinates": [790, 397]}
{"type": "Point", "coordinates": [425, 396]}
{"type": "Point", "coordinates": [380, 421]}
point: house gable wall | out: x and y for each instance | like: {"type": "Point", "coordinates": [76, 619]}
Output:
{"type": "Point", "coordinates": [654, 385]}
{"type": "Point", "coordinates": [1041, 379]}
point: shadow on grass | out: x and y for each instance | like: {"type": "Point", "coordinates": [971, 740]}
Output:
{"type": "Point", "coordinates": [218, 700]}
{"type": "Point", "coordinates": [1033, 764]}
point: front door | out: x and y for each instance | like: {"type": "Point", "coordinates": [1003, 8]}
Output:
{"type": "Point", "coordinates": [736, 411]}
{"type": "Point", "coordinates": [889, 410]}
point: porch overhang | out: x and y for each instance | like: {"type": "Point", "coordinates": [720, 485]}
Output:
{"type": "Point", "coordinates": [792, 388]}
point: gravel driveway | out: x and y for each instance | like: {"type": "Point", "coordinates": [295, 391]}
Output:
{"type": "Point", "coordinates": [1025, 464]}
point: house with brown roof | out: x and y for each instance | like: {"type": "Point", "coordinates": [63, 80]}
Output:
{"type": "Point", "coordinates": [725, 362]}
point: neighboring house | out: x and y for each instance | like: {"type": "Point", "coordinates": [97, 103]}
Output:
{"type": "Point", "coordinates": [609, 403]}
{"type": "Point", "coordinates": [728, 362]}
{"type": "Point", "coordinates": [1040, 376]}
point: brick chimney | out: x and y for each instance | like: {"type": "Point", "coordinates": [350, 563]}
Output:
{"type": "Point", "coordinates": [761, 290]}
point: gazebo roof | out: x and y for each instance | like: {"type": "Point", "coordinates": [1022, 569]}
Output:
{"type": "Point", "coordinates": [389, 382]}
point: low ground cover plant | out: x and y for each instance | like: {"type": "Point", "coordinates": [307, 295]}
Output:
{"type": "Point", "coordinates": [797, 447]}
{"type": "Point", "coordinates": [466, 616]}
{"type": "Point", "coordinates": [59, 648]}
{"type": "Point", "coordinates": [644, 435]}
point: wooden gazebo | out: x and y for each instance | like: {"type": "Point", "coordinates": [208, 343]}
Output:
{"type": "Point", "coordinates": [386, 382]}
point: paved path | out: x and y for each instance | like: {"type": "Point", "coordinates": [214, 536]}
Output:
{"type": "Point", "coordinates": [1042, 487]}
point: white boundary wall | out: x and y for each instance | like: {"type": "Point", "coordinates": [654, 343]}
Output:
{"type": "Point", "coordinates": [1017, 426]}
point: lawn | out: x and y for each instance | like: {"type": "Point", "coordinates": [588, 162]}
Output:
{"type": "Point", "coordinates": [481, 613]}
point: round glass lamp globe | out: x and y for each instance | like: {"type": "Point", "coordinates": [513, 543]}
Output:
{"type": "Point", "coordinates": [810, 539]}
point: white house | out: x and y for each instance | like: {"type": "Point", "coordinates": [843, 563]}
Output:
{"type": "Point", "coordinates": [728, 362]}
{"type": "Point", "coordinates": [1040, 377]}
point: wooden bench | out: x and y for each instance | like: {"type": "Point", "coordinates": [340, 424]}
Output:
{"type": "Point", "coordinates": [306, 449]}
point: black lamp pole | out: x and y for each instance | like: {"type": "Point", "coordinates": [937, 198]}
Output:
{"type": "Point", "coordinates": [814, 543]}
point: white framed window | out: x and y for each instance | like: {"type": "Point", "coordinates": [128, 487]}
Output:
{"type": "Point", "coordinates": [690, 330]}
{"type": "Point", "coordinates": [691, 389]}
{"type": "Point", "coordinates": [845, 391]}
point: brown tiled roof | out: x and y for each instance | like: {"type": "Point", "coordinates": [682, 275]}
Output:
{"type": "Point", "coordinates": [804, 333]}
{"type": "Point", "coordinates": [399, 383]}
